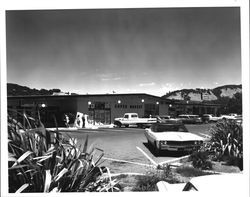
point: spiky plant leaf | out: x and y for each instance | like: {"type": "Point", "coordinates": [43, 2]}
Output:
{"type": "Point", "coordinates": [85, 147]}
{"type": "Point", "coordinates": [23, 157]}
{"type": "Point", "coordinates": [47, 181]}
{"type": "Point", "coordinates": [60, 175]}
{"type": "Point", "coordinates": [22, 188]}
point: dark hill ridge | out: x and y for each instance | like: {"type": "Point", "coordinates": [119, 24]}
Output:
{"type": "Point", "coordinates": [184, 94]}
{"type": "Point", "coordinates": [17, 90]}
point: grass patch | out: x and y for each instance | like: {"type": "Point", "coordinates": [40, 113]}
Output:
{"type": "Point", "coordinates": [147, 182]}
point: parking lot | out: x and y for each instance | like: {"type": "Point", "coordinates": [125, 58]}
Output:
{"type": "Point", "coordinates": [125, 148]}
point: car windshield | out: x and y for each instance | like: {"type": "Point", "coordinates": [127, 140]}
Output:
{"type": "Point", "coordinates": [169, 127]}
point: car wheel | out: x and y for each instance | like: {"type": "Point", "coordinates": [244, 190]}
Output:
{"type": "Point", "coordinates": [118, 124]}
{"type": "Point", "coordinates": [156, 150]}
{"type": "Point", "coordinates": [139, 125]}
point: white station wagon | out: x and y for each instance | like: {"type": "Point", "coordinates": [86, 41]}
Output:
{"type": "Point", "coordinates": [172, 137]}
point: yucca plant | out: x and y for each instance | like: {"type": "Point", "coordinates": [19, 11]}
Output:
{"type": "Point", "coordinates": [226, 140]}
{"type": "Point", "coordinates": [41, 162]}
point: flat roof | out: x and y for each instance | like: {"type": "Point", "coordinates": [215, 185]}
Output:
{"type": "Point", "coordinates": [170, 101]}
{"type": "Point", "coordinates": [85, 95]}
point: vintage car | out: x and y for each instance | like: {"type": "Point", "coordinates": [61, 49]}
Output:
{"type": "Point", "coordinates": [167, 119]}
{"type": "Point", "coordinates": [189, 119]}
{"type": "Point", "coordinates": [172, 137]}
{"type": "Point", "coordinates": [210, 118]}
{"type": "Point", "coordinates": [208, 183]}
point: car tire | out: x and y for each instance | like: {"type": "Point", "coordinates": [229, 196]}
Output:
{"type": "Point", "coordinates": [118, 124]}
{"type": "Point", "coordinates": [140, 126]}
{"type": "Point", "coordinates": [156, 150]}
{"type": "Point", "coordinates": [149, 144]}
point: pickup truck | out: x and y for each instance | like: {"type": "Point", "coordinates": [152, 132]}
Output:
{"type": "Point", "coordinates": [133, 119]}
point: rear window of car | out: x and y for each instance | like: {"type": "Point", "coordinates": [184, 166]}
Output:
{"type": "Point", "coordinates": [169, 127]}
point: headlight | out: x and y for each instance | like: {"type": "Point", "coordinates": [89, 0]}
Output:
{"type": "Point", "coordinates": [198, 142]}
{"type": "Point", "coordinates": [163, 142]}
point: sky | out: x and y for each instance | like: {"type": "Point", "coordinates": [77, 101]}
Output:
{"type": "Point", "coordinates": [99, 51]}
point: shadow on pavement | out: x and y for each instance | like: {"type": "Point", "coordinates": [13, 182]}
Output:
{"type": "Point", "coordinates": [165, 153]}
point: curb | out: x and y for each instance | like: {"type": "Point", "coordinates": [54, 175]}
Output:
{"type": "Point", "coordinates": [180, 160]}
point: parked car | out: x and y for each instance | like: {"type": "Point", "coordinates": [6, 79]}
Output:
{"type": "Point", "coordinates": [229, 116]}
{"type": "Point", "coordinates": [133, 119]}
{"type": "Point", "coordinates": [172, 137]}
{"type": "Point", "coordinates": [189, 119]}
{"type": "Point", "coordinates": [167, 119]}
{"type": "Point", "coordinates": [210, 118]}
{"type": "Point", "coordinates": [238, 119]}
{"type": "Point", "coordinates": [208, 183]}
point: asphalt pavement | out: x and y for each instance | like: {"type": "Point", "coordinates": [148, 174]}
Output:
{"type": "Point", "coordinates": [126, 149]}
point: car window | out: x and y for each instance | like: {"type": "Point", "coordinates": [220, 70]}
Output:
{"type": "Point", "coordinates": [126, 116]}
{"type": "Point", "coordinates": [134, 116]}
{"type": "Point", "coordinates": [169, 127]}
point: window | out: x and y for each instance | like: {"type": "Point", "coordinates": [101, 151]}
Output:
{"type": "Point", "coordinates": [135, 106]}
{"type": "Point", "coordinates": [120, 106]}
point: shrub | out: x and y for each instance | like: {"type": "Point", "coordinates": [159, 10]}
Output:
{"type": "Point", "coordinates": [148, 182]}
{"type": "Point", "coordinates": [188, 171]}
{"type": "Point", "coordinates": [200, 159]}
{"type": "Point", "coordinates": [226, 142]}
{"type": "Point", "coordinates": [39, 162]}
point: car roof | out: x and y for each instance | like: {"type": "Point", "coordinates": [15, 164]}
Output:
{"type": "Point", "coordinates": [169, 123]}
{"type": "Point", "coordinates": [188, 115]}
{"type": "Point", "coordinates": [217, 181]}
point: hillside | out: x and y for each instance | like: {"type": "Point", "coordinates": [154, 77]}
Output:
{"type": "Point", "coordinates": [205, 94]}
{"type": "Point", "coordinates": [17, 90]}
{"type": "Point", "coordinates": [227, 91]}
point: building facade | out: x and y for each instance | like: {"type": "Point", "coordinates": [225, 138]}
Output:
{"type": "Point", "coordinates": [101, 108]}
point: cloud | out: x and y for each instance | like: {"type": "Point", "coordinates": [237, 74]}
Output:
{"type": "Point", "coordinates": [147, 84]}
{"type": "Point", "coordinates": [111, 79]}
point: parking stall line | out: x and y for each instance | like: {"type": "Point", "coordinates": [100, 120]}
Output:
{"type": "Point", "coordinates": [124, 161]}
{"type": "Point", "coordinates": [145, 154]}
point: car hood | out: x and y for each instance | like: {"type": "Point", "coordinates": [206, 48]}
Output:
{"type": "Point", "coordinates": [177, 136]}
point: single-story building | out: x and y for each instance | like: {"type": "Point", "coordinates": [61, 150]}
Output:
{"type": "Point", "coordinates": [102, 108]}
{"type": "Point", "coordinates": [99, 107]}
